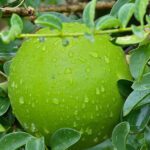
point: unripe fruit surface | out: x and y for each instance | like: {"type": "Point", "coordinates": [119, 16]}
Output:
{"type": "Point", "coordinates": [54, 86]}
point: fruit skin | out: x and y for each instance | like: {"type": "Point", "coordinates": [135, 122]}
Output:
{"type": "Point", "coordinates": [52, 86]}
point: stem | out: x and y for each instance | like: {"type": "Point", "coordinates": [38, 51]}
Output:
{"type": "Point", "coordinates": [76, 34]}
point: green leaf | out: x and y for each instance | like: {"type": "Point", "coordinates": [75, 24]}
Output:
{"type": "Point", "coordinates": [138, 31]}
{"type": "Point", "coordinates": [125, 87]}
{"type": "Point", "coordinates": [107, 22]}
{"type": "Point", "coordinates": [133, 99]}
{"type": "Point", "coordinates": [6, 67]}
{"type": "Point", "coordinates": [147, 137]}
{"type": "Point", "coordinates": [128, 40]}
{"type": "Point", "coordinates": [119, 135]}
{"type": "Point", "coordinates": [49, 20]}
{"type": "Point", "coordinates": [138, 119]}
{"type": "Point", "coordinates": [14, 31]}
{"type": "Point", "coordinates": [140, 10]}
{"type": "Point", "coordinates": [89, 14]}
{"type": "Point", "coordinates": [138, 60]}
{"type": "Point", "coordinates": [125, 13]}
{"type": "Point", "coordinates": [117, 6]}
{"type": "Point", "coordinates": [142, 84]}
{"type": "Point", "coordinates": [106, 145]}
{"type": "Point", "coordinates": [35, 144]}
{"type": "Point", "coordinates": [14, 140]}
{"type": "Point", "coordinates": [145, 101]}
{"type": "Point", "coordinates": [4, 105]}
{"type": "Point", "coordinates": [64, 138]}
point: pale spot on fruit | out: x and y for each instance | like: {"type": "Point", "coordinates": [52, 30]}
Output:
{"type": "Point", "coordinates": [87, 69]}
{"type": "Point", "coordinates": [86, 99]}
{"type": "Point", "coordinates": [102, 89]}
{"type": "Point", "coordinates": [46, 131]}
{"type": "Point", "coordinates": [21, 100]}
{"type": "Point", "coordinates": [33, 127]}
{"type": "Point", "coordinates": [70, 54]}
{"type": "Point", "coordinates": [96, 140]}
{"type": "Point", "coordinates": [88, 131]}
{"type": "Point", "coordinates": [94, 54]}
{"type": "Point", "coordinates": [54, 60]}
{"type": "Point", "coordinates": [13, 84]}
{"type": "Point", "coordinates": [111, 115]}
{"type": "Point", "coordinates": [55, 101]}
{"type": "Point", "coordinates": [106, 59]}
{"type": "Point", "coordinates": [76, 112]}
{"type": "Point", "coordinates": [97, 91]}
{"type": "Point", "coordinates": [96, 107]}
{"type": "Point", "coordinates": [83, 106]}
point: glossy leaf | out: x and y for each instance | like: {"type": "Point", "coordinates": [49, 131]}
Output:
{"type": "Point", "coordinates": [6, 67]}
{"type": "Point", "coordinates": [106, 145]}
{"type": "Point", "coordinates": [107, 22]}
{"type": "Point", "coordinates": [125, 87]}
{"type": "Point", "coordinates": [117, 6]}
{"type": "Point", "coordinates": [140, 9]}
{"type": "Point", "coordinates": [14, 31]}
{"type": "Point", "coordinates": [145, 101]}
{"type": "Point", "coordinates": [119, 135]}
{"type": "Point", "coordinates": [131, 39]}
{"type": "Point", "coordinates": [138, 60]}
{"type": "Point", "coordinates": [89, 14]}
{"type": "Point", "coordinates": [64, 138]}
{"type": "Point", "coordinates": [142, 84]}
{"type": "Point", "coordinates": [138, 119]}
{"type": "Point", "coordinates": [138, 31]}
{"type": "Point", "coordinates": [14, 140]}
{"type": "Point", "coordinates": [49, 20]}
{"type": "Point", "coordinates": [133, 99]}
{"type": "Point", "coordinates": [35, 144]}
{"type": "Point", "coordinates": [4, 105]}
{"type": "Point", "coordinates": [125, 13]}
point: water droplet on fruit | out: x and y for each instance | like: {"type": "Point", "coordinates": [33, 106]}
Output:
{"type": "Point", "coordinates": [21, 100]}
{"type": "Point", "coordinates": [106, 59]}
{"type": "Point", "coordinates": [68, 71]}
{"type": "Point", "coordinates": [86, 99]}
{"type": "Point", "coordinates": [88, 131]}
{"type": "Point", "coordinates": [65, 42]}
{"type": "Point", "coordinates": [55, 101]}
{"type": "Point", "coordinates": [96, 140]}
{"type": "Point", "coordinates": [41, 39]}
{"type": "Point", "coordinates": [94, 54]}
{"type": "Point", "coordinates": [33, 128]}
{"type": "Point", "coordinates": [97, 91]}
{"type": "Point", "coordinates": [102, 89]}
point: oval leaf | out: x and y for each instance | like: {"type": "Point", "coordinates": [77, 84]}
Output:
{"type": "Point", "coordinates": [125, 13]}
{"type": "Point", "coordinates": [116, 7]}
{"type": "Point", "coordinates": [107, 22]}
{"type": "Point", "coordinates": [14, 141]}
{"type": "Point", "coordinates": [49, 20]}
{"type": "Point", "coordinates": [138, 61]}
{"type": "Point", "coordinates": [133, 99]}
{"type": "Point", "coordinates": [64, 138]}
{"type": "Point", "coordinates": [4, 105]}
{"type": "Point", "coordinates": [119, 135]}
{"type": "Point", "coordinates": [35, 144]}
{"type": "Point", "coordinates": [140, 9]}
{"type": "Point", "coordinates": [89, 14]}
{"type": "Point", "coordinates": [143, 84]}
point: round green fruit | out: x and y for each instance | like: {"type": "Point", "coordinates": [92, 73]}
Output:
{"type": "Point", "coordinates": [52, 85]}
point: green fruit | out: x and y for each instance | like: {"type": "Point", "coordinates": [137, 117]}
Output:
{"type": "Point", "coordinates": [53, 86]}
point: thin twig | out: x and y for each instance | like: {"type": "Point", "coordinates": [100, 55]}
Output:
{"type": "Point", "coordinates": [7, 11]}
